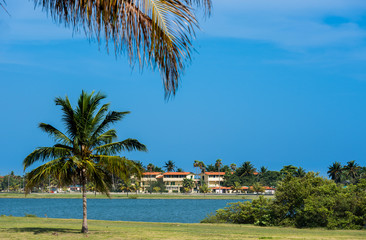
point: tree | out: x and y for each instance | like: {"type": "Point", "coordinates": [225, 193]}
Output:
{"type": "Point", "coordinates": [351, 170]}
{"type": "Point", "coordinates": [152, 33]}
{"type": "Point", "coordinates": [335, 171]}
{"type": "Point", "coordinates": [300, 172]}
{"type": "Point", "coordinates": [156, 189]}
{"type": "Point", "coordinates": [204, 189]}
{"type": "Point", "coordinates": [236, 187]}
{"type": "Point", "coordinates": [188, 183]}
{"type": "Point", "coordinates": [218, 164]}
{"type": "Point", "coordinates": [288, 170]}
{"type": "Point", "coordinates": [257, 187]}
{"type": "Point", "coordinates": [246, 169]}
{"type": "Point", "coordinates": [127, 186]}
{"type": "Point", "coordinates": [263, 170]}
{"type": "Point", "coordinates": [233, 166]}
{"type": "Point", "coordinates": [86, 152]}
{"type": "Point", "coordinates": [170, 166]}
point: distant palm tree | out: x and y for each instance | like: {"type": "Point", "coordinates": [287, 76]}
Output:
{"type": "Point", "coordinates": [127, 186]}
{"type": "Point", "coordinates": [188, 183]}
{"type": "Point", "coordinates": [246, 169]}
{"type": "Point", "coordinates": [352, 170]}
{"type": "Point", "coordinates": [170, 166]}
{"type": "Point", "coordinates": [202, 166]}
{"type": "Point", "coordinates": [86, 153]}
{"type": "Point", "coordinates": [263, 170]}
{"type": "Point", "coordinates": [205, 189]}
{"type": "Point", "coordinates": [150, 168]}
{"type": "Point", "coordinates": [257, 187]}
{"type": "Point", "coordinates": [288, 170]}
{"type": "Point", "coordinates": [218, 165]}
{"type": "Point", "coordinates": [300, 172]}
{"type": "Point", "coordinates": [236, 187]}
{"type": "Point", "coordinates": [335, 171]}
{"type": "Point", "coordinates": [233, 166]}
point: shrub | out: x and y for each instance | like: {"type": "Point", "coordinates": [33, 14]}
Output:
{"type": "Point", "coordinates": [132, 197]}
{"type": "Point", "coordinates": [30, 215]}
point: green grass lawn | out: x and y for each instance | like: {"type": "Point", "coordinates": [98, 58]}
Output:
{"type": "Point", "coordinates": [124, 196]}
{"type": "Point", "coordinates": [43, 228]}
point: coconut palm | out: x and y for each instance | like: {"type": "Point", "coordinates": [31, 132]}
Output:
{"type": "Point", "coordinates": [170, 166]}
{"type": "Point", "coordinates": [155, 33]}
{"type": "Point", "coordinates": [351, 170]}
{"type": "Point", "coordinates": [246, 169]}
{"type": "Point", "coordinates": [205, 189]}
{"type": "Point", "coordinates": [233, 166]}
{"type": "Point", "coordinates": [127, 186]}
{"type": "Point", "coordinates": [300, 172]}
{"type": "Point", "coordinates": [263, 170]}
{"type": "Point", "coordinates": [236, 187]}
{"type": "Point", "coordinates": [335, 171]}
{"type": "Point", "coordinates": [188, 183]}
{"type": "Point", "coordinates": [257, 188]}
{"type": "Point", "coordinates": [86, 151]}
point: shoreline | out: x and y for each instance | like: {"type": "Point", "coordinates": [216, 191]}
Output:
{"type": "Point", "coordinates": [132, 196]}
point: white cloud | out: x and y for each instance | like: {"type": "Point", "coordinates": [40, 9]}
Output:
{"type": "Point", "coordinates": [288, 23]}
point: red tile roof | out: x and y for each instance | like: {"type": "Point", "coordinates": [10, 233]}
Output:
{"type": "Point", "coordinates": [151, 173]}
{"type": "Point", "coordinates": [161, 176]}
{"type": "Point", "coordinates": [225, 188]}
{"type": "Point", "coordinates": [176, 173]}
{"type": "Point", "coordinates": [215, 173]}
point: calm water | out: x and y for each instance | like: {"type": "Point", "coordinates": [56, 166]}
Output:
{"type": "Point", "coordinates": [145, 210]}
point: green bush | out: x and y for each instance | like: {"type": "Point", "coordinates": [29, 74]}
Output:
{"type": "Point", "coordinates": [309, 201]}
{"type": "Point", "coordinates": [132, 197]}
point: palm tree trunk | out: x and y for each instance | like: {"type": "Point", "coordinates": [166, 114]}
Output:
{"type": "Point", "coordinates": [84, 228]}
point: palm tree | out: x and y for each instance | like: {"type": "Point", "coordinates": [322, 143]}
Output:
{"type": "Point", "coordinates": [150, 168]}
{"type": "Point", "coordinates": [205, 189]}
{"type": "Point", "coordinates": [188, 183]}
{"type": "Point", "coordinates": [236, 187]}
{"type": "Point", "coordinates": [86, 152]}
{"type": "Point", "coordinates": [170, 166]}
{"type": "Point", "coordinates": [218, 165]}
{"type": "Point", "coordinates": [351, 170]}
{"type": "Point", "coordinates": [335, 171]}
{"type": "Point", "coordinates": [233, 166]}
{"type": "Point", "coordinates": [257, 187]}
{"type": "Point", "coordinates": [246, 169]}
{"type": "Point", "coordinates": [151, 32]}
{"type": "Point", "coordinates": [300, 172]}
{"type": "Point", "coordinates": [127, 186]}
{"type": "Point", "coordinates": [263, 170]}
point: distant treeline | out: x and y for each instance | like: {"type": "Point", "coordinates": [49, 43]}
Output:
{"type": "Point", "coordinates": [244, 175]}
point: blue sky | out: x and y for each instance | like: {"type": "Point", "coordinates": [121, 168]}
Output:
{"type": "Point", "coordinates": [274, 82]}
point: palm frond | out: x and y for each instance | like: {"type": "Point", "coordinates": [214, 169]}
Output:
{"type": "Point", "coordinates": [68, 115]}
{"type": "Point", "coordinates": [157, 33]}
{"type": "Point", "coordinates": [116, 147]}
{"type": "Point", "coordinates": [99, 176]}
{"type": "Point", "coordinates": [45, 153]}
{"type": "Point", "coordinates": [55, 133]}
{"type": "Point", "coordinates": [109, 119]}
{"type": "Point", "coordinates": [119, 166]}
{"type": "Point", "coordinates": [105, 138]}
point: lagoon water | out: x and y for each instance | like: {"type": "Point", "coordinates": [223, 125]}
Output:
{"type": "Point", "coordinates": [144, 210]}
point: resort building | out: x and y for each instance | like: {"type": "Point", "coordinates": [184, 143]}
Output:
{"type": "Point", "coordinates": [212, 179]}
{"type": "Point", "coordinates": [149, 177]}
{"type": "Point", "coordinates": [174, 180]}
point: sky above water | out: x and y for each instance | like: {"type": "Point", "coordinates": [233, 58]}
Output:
{"type": "Point", "coordinates": [274, 82]}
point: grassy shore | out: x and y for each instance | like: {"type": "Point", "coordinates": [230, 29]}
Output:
{"type": "Point", "coordinates": [124, 196]}
{"type": "Point", "coordinates": [43, 228]}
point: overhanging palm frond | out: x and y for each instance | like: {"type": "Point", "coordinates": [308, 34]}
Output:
{"type": "Point", "coordinates": [45, 153]}
{"type": "Point", "coordinates": [116, 147]}
{"type": "Point", "coordinates": [55, 133]}
{"type": "Point", "coordinates": [157, 33]}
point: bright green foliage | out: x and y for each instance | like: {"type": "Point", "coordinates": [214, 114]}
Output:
{"type": "Point", "coordinates": [236, 187]}
{"type": "Point", "coordinates": [309, 201]}
{"type": "Point", "coordinates": [255, 212]}
{"type": "Point", "coordinates": [204, 189]}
